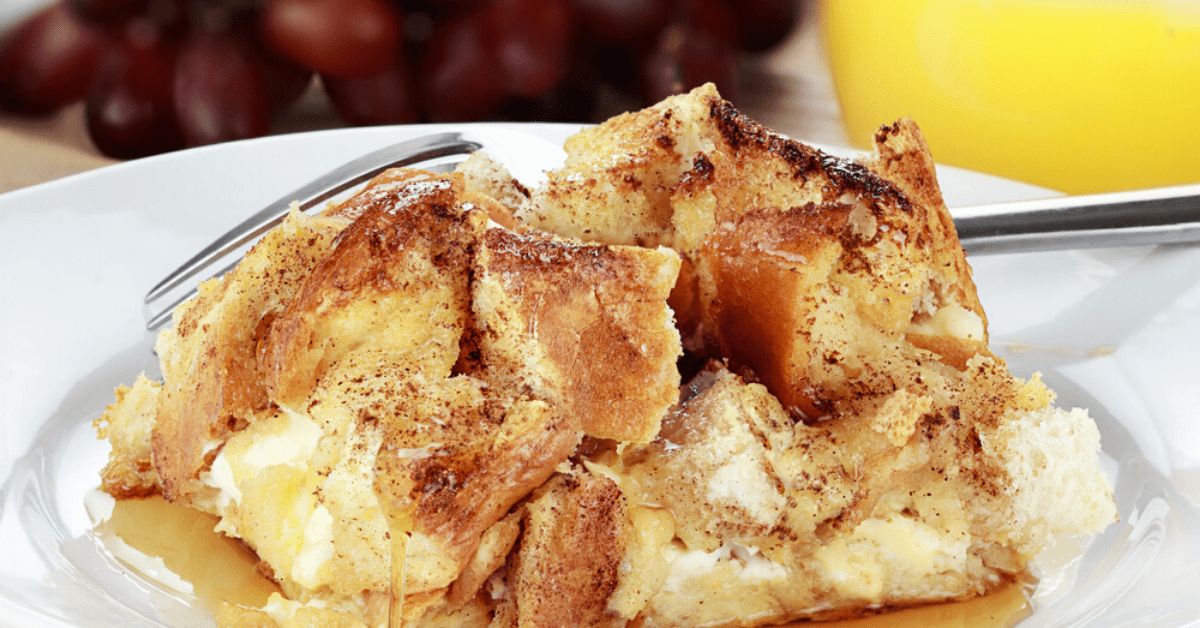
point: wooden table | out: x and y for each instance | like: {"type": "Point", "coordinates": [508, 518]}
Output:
{"type": "Point", "coordinates": [789, 90]}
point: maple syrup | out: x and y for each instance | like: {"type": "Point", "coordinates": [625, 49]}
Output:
{"type": "Point", "coordinates": [1002, 608]}
{"type": "Point", "coordinates": [218, 568]}
{"type": "Point", "coordinates": [222, 569]}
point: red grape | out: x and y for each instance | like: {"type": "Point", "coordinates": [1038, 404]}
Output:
{"type": "Point", "coordinates": [219, 92]}
{"type": "Point", "coordinates": [458, 71]}
{"type": "Point", "coordinates": [713, 18]}
{"type": "Point", "coordinates": [633, 22]}
{"type": "Point", "coordinates": [685, 59]}
{"type": "Point", "coordinates": [107, 11]}
{"type": "Point", "coordinates": [286, 81]}
{"type": "Point", "coordinates": [764, 23]}
{"type": "Point", "coordinates": [334, 37]}
{"type": "Point", "coordinates": [530, 40]}
{"type": "Point", "coordinates": [441, 7]}
{"type": "Point", "coordinates": [49, 61]}
{"type": "Point", "coordinates": [130, 110]}
{"type": "Point", "coordinates": [381, 98]}
{"type": "Point", "coordinates": [570, 102]}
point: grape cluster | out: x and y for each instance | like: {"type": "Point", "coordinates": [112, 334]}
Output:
{"type": "Point", "coordinates": [157, 75]}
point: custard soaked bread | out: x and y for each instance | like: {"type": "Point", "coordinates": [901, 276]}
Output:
{"type": "Point", "coordinates": [814, 272]}
{"type": "Point", "coordinates": [456, 401]}
{"type": "Point", "coordinates": [873, 451]}
{"type": "Point", "coordinates": [420, 368]}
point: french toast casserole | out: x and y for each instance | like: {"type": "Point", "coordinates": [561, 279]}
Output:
{"type": "Point", "coordinates": [704, 375]}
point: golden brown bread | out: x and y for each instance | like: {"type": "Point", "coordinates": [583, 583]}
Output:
{"type": "Point", "coordinates": [584, 318]}
{"type": "Point", "coordinates": [127, 424]}
{"type": "Point", "coordinates": [616, 184]}
{"type": "Point", "coordinates": [434, 379]}
{"type": "Point", "coordinates": [395, 284]}
{"type": "Point", "coordinates": [777, 237]}
{"type": "Point", "coordinates": [568, 562]}
{"type": "Point", "coordinates": [486, 178]}
{"type": "Point", "coordinates": [212, 384]}
{"type": "Point", "coordinates": [454, 458]}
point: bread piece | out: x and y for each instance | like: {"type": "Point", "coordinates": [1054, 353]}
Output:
{"type": "Point", "coordinates": [453, 462]}
{"type": "Point", "coordinates": [488, 178]}
{"type": "Point", "coordinates": [212, 384]}
{"type": "Point", "coordinates": [816, 312]}
{"type": "Point", "coordinates": [716, 466]}
{"type": "Point", "coordinates": [395, 284]}
{"type": "Point", "coordinates": [902, 501]}
{"type": "Point", "coordinates": [584, 319]}
{"type": "Point", "coordinates": [493, 551]}
{"type": "Point", "coordinates": [127, 423]}
{"type": "Point", "coordinates": [616, 184]}
{"type": "Point", "coordinates": [569, 562]}
{"type": "Point", "coordinates": [775, 234]}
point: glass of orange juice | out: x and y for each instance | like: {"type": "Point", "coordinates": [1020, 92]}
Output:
{"type": "Point", "coordinates": [1077, 95]}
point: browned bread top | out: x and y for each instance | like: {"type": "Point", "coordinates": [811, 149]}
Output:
{"type": "Point", "coordinates": [783, 244]}
{"type": "Point", "coordinates": [212, 384]}
{"type": "Point", "coordinates": [449, 361]}
{"type": "Point", "coordinates": [568, 563]}
{"type": "Point", "coordinates": [396, 282]}
{"type": "Point", "coordinates": [593, 316]}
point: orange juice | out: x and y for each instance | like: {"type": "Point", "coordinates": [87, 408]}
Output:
{"type": "Point", "coordinates": [1077, 95]}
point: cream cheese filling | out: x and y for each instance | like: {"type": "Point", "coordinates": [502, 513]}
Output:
{"type": "Point", "coordinates": [951, 320]}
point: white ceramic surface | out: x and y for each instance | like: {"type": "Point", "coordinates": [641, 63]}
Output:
{"type": "Point", "coordinates": [1113, 330]}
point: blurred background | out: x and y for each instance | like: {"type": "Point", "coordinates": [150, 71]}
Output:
{"type": "Point", "coordinates": [1076, 95]}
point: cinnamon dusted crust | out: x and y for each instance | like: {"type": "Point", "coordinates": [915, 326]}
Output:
{"type": "Point", "coordinates": [414, 372]}
{"type": "Point", "coordinates": [612, 350]}
{"type": "Point", "coordinates": [754, 213]}
{"type": "Point", "coordinates": [485, 378]}
{"type": "Point", "coordinates": [395, 284]}
{"type": "Point", "coordinates": [568, 563]}
{"type": "Point", "coordinates": [212, 385]}
{"type": "Point", "coordinates": [127, 424]}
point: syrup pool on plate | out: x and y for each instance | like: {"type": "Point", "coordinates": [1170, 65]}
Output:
{"type": "Point", "coordinates": [216, 567]}
{"type": "Point", "coordinates": [219, 568]}
{"type": "Point", "coordinates": [1003, 607]}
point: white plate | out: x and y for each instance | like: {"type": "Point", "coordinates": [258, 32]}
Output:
{"type": "Point", "coordinates": [1115, 331]}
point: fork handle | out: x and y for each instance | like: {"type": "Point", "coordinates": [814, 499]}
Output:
{"type": "Point", "coordinates": [1140, 217]}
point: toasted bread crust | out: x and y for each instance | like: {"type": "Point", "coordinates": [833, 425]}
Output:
{"type": "Point", "coordinates": [470, 471]}
{"type": "Point", "coordinates": [417, 400]}
{"type": "Point", "coordinates": [127, 423]}
{"type": "Point", "coordinates": [389, 258]}
{"type": "Point", "coordinates": [212, 384]}
{"type": "Point", "coordinates": [448, 365]}
{"type": "Point", "coordinates": [568, 563]}
{"type": "Point", "coordinates": [596, 314]}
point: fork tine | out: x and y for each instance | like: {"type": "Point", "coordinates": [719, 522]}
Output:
{"type": "Point", "coordinates": [325, 187]}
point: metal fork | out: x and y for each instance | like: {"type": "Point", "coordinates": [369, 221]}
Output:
{"type": "Point", "coordinates": [1166, 215]}
{"type": "Point", "coordinates": [1142, 217]}
{"type": "Point", "coordinates": [438, 152]}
